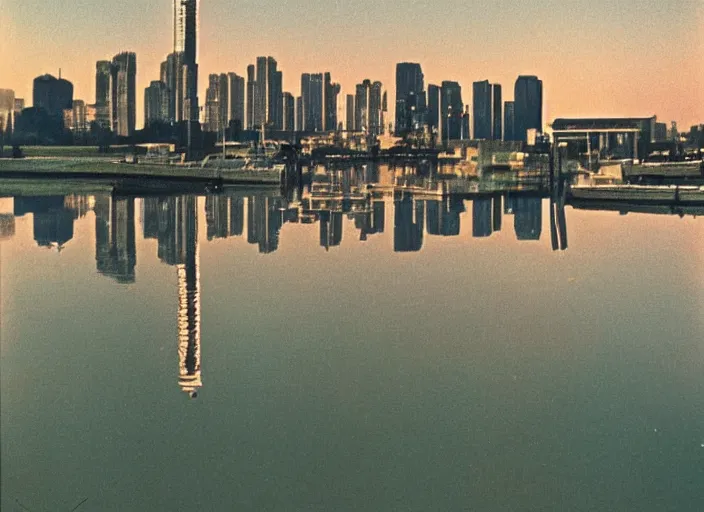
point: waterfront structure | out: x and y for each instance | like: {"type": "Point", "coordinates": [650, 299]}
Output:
{"type": "Point", "coordinates": [236, 100]}
{"type": "Point", "coordinates": [509, 121]}
{"type": "Point", "coordinates": [156, 103]}
{"type": "Point", "coordinates": [312, 102]}
{"type": "Point", "coordinates": [528, 106]}
{"type": "Point", "coordinates": [52, 94]}
{"type": "Point", "coordinates": [410, 98]}
{"type": "Point", "coordinates": [488, 118]}
{"type": "Point", "coordinates": [610, 137]}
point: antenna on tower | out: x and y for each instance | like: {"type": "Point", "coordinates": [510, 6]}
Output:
{"type": "Point", "coordinates": [59, 73]}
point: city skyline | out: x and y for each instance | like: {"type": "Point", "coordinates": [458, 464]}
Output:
{"type": "Point", "coordinates": [556, 54]}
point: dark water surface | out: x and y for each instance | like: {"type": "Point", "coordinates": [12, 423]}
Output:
{"type": "Point", "coordinates": [415, 355]}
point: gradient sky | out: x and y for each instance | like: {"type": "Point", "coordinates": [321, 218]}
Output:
{"type": "Point", "coordinates": [595, 57]}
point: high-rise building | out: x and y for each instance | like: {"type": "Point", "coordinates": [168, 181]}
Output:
{"type": "Point", "coordinates": [369, 107]}
{"type": "Point", "coordinates": [103, 93]}
{"type": "Point", "coordinates": [509, 120]}
{"type": "Point", "coordinates": [184, 60]}
{"type": "Point", "coordinates": [289, 112]}
{"type": "Point", "coordinates": [488, 118]}
{"type": "Point", "coordinates": [451, 110]}
{"type": "Point", "coordinates": [213, 119]}
{"type": "Point", "coordinates": [410, 97]}
{"type": "Point", "coordinates": [251, 96]}
{"type": "Point", "coordinates": [266, 94]}
{"type": "Point", "coordinates": [350, 111]}
{"type": "Point", "coordinates": [7, 108]}
{"type": "Point", "coordinates": [76, 118]}
{"type": "Point", "coordinates": [299, 113]}
{"type": "Point", "coordinates": [52, 94]}
{"type": "Point", "coordinates": [433, 115]}
{"type": "Point", "coordinates": [528, 106]}
{"type": "Point", "coordinates": [312, 102]}
{"type": "Point", "coordinates": [236, 100]}
{"type": "Point", "coordinates": [156, 103]}
{"type": "Point", "coordinates": [124, 93]}
{"type": "Point", "coordinates": [331, 91]}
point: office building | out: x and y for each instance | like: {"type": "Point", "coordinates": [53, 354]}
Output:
{"type": "Point", "coordinates": [331, 91]}
{"type": "Point", "coordinates": [289, 112]}
{"type": "Point", "coordinates": [124, 94]}
{"type": "Point", "coordinates": [369, 108]}
{"type": "Point", "coordinates": [156, 103]}
{"type": "Point", "coordinates": [312, 102]}
{"type": "Point", "coordinates": [410, 98]}
{"type": "Point", "coordinates": [299, 113]}
{"type": "Point", "coordinates": [184, 66]}
{"type": "Point", "coordinates": [509, 121]}
{"type": "Point", "coordinates": [528, 106]}
{"type": "Point", "coordinates": [488, 115]}
{"type": "Point", "coordinates": [451, 110]}
{"type": "Point", "coordinates": [236, 100]}
{"type": "Point", "coordinates": [52, 94]}
{"type": "Point", "coordinates": [350, 113]}
{"type": "Point", "coordinates": [251, 96]}
{"type": "Point", "coordinates": [103, 93]}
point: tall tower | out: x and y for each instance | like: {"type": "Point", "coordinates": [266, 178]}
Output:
{"type": "Point", "coordinates": [186, 46]}
{"type": "Point", "coordinates": [124, 93]}
{"type": "Point", "coordinates": [410, 97]}
{"type": "Point", "coordinates": [528, 106]}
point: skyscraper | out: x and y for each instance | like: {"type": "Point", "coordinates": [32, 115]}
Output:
{"type": "Point", "coordinates": [185, 48]}
{"type": "Point", "coordinates": [156, 103]}
{"type": "Point", "coordinates": [509, 121]}
{"type": "Point", "coordinates": [487, 111]}
{"type": "Point", "coordinates": [410, 97]}
{"type": "Point", "coordinates": [124, 93]}
{"type": "Point", "coordinates": [213, 119]}
{"type": "Point", "coordinates": [52, 94]}
{"type": "Point", "coordinates": [451, 110]}
{"type": "Point", "coordinates": [312, 102]}
{"type": "Point", "coordinates": [369, 107]}
{"type": "Point", "coordinates": [236, 106]}
{"type": "Point", "coordinates": [434, 115]}
{"type": "Point", "coordinates": [103, 93]}
{"type": "Point", "coordinates": [251, 96]}
{"type": "Point", "coordinates": [267, 89]}
{"type": "Point", "coordinates": [349, 118]}
{"type": "Point", "coordinates": [289, 112]}
{"type": "Point", "coordinates": [528, 99]}
{"type": "Point", "coordinates": [331, 91]}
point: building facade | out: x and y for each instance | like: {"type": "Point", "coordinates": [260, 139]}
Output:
{"type": "Point", "coordinates": [528, 106]}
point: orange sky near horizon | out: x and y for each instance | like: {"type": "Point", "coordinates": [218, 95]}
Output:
{"type": "Point", "coordinates": [595, 58]}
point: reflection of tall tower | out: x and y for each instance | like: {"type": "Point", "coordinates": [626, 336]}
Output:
{"type": "Point", "coordinates": [408, 224]}
{"type": "Point", "coordinates": [330, 229]}
{"type": "Point", "coordinates": [443, 216]}
{"type": "Point", "coordinates": [189, 305]}
{"type": "Point", "coordinates": [481, 218]}
{"type": "Point", "coordinates": [528, 218]}
{"type": "Point", "coordinates": [178, 246]}
{"type": "Point", "coordinates": [53, 222]}
{"type": "Point", "coordinates": [264, 220]}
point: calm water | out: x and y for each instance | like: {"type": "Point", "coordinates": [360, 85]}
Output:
{"type": "Point", "coordinates": [244, 352]}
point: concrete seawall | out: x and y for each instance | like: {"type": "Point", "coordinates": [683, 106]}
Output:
{"type": "Point", "coordinates": [99, 168]}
